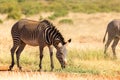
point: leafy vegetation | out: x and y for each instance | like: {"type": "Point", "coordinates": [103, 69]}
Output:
{"type": "Point", "coordinates": [60, 8]}
{"type": "Point", "coordinates": [58, 14]}
{"type": "Point", "coordinates": [66, 21]}
{"type": "Point", "coordinates": [14, 15]}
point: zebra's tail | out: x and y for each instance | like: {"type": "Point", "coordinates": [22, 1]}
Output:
{"type": "Point", "coordinates": [104, 36]}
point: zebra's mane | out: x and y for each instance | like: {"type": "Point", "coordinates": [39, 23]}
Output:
{"type": "Point", "coordinates": [53, 27]}
{"type": "Point", "coordinates": [60, 35]}
{"type": "Point", "coordinates": [47, 22]}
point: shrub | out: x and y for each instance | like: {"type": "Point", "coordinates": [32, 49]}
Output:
{"type": "Point", "coordinates": [9, 6]}
{"type": "Point", "coordinates": [30, 8]}
{"type": "Point", "coordinates": [57, 14]}
{"type": "Point", "coordinates": [66, 21]}
{"type": "Point", "coordinates": [20, 0]}
{"type": "Point", "coordinates": [14, 15]}
{"type": "Point", "coordinates": [41, 18]}
{"type": "Point", "coordinates": [60, 8]}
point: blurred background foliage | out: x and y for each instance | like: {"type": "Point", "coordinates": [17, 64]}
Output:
{"type": "Point", "coordinates": [15, 8]}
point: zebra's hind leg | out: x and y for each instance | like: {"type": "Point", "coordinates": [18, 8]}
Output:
{"type": "Point", "coordinates": [107, 45]}
{"type": "Point", "coordinates": [116, 40]}
{"type": "Point", "coordinates": [18, 52]}
{"type": "Point", "coordinates": [12, 56]}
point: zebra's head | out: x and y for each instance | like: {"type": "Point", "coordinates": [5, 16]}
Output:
{"type": "Point", "coordinates": [62, 53]}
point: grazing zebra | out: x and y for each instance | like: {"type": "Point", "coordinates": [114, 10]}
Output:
{"type": "Point", "coordinates": [40, 34]}
{"type": "Point", "coordinates": [113, 30]}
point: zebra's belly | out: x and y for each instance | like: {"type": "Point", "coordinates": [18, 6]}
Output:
{"type": "Point", "coordinates": [31, 42]}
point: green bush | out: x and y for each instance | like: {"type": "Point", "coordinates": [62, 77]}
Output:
{"type": "Point", "coordinates": [60, 8]}
{"type": "Point", "coordinates": [21, 0]}
{"type": "Point", "coordinates": [9, 6]}
{"type": "Point", "coordinates": [30, 8]}
{"type": "Point", "coordinates": [57, 14]}
{"type": "Point", "coordinates": [66, 21]}
{"type": "Point", "coordinates": [41, 18]}
{"type": "Point", "coordinates": [14, 15]}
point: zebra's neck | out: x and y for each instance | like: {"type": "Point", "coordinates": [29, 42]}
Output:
{"type": "Point", "coordinates": [51, 34]}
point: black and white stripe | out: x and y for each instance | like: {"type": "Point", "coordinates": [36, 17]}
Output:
{"type": "Point", "coordinates": [51, 34]}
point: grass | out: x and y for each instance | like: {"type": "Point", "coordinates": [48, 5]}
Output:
{"type": "Point", "coordinates": [27, 76]}
{"type": "Point", "coordinates": [66, 21]}
{"type": "Point", "coordinates": [14, 15]}
{"type": "Point", "coordinates": [79, 61]}
{"type": "Point", "coordinates": [60, 13]}
{"type": "Point", "coordinates": [50, 76]}
{"type": "Point", "coordinates": [91, 62]}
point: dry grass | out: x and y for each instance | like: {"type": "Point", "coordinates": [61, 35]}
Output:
{"type": "Point", "coordinates": [87, 33]}
{"type": "Point", "coordinates": [50, 76]}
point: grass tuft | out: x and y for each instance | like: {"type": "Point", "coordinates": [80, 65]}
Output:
{"type": "Point", "coordinates": [57, 14]}
{"type": "Point", "coordinates": [66, 21]}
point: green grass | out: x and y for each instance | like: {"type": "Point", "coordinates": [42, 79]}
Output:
{"type": "Point", "coordinates": [14, 15]}
{"type": "Point", "coordinates": [79, 61]}
{"type": "Point", "coordinates": [57, 14]}
{"type": "Point", "coordinates": [66, 21]}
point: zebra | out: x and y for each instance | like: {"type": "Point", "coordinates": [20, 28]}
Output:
{"type": "Point", "coordinates": [113, 30]}
{"type": "Point", "coordinates": [38, 33]}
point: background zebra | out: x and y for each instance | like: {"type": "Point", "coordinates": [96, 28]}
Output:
{"type": "Point", "coordinates": [113, 31]}
{"type": "Point", "coordinates": [40, 34]}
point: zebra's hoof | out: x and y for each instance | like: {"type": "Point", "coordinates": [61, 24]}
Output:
{"type": "Point", "coordinates": [20, 68]}
{"type": "Point", "coordinates": [9, 70]}
{"type": "Point", "coordinates": [40, 70]}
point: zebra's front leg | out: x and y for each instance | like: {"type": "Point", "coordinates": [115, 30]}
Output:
{"type": "Point", "coordinates": [12, 56]}
{"type": "Point", "coordinates": [41, 56]}
{"type": "Point", "coordinates": [51, 57]}
{"type": "Point", "coordinates": [18, 52]}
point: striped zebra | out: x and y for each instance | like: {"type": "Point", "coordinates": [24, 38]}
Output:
{"type": "Point", "coordinates": [40, 34]}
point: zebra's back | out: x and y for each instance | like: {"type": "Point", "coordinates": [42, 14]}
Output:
{"type": "Point", "coordinates": [27, 31]}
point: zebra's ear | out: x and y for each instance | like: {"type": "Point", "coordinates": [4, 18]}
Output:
{"type": "Point", "coordinates": [69, 40]}
{"type": "Point", "coordinates": [67, 43]}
